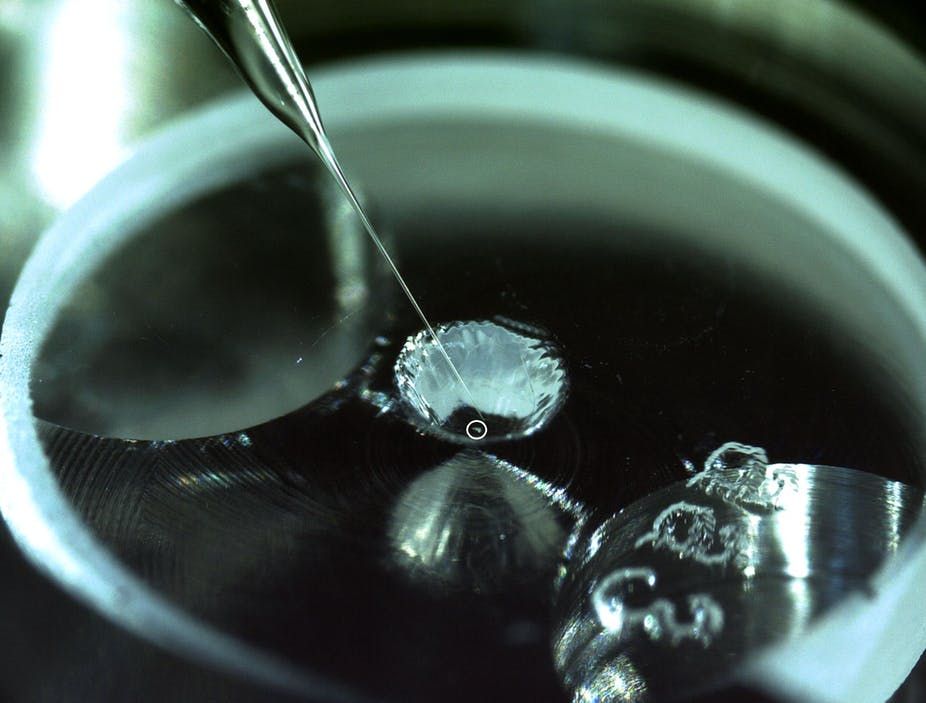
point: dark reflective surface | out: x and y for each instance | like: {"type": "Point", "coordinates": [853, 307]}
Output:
{"type": "Point", "coordinates": [236, 309]}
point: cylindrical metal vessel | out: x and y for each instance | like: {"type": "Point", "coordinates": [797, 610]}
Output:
{"type": "Point", "coordinates": [89, 81]}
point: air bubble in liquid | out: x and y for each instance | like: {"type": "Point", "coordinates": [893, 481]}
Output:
{"type": "Point", "coordinates": [740, 474]}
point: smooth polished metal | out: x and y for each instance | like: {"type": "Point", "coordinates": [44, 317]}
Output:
{"type": "Point", "coordinates": [677, 592]}
{"type": "Point", "coordinates": [477, 523]}
{"type": "Point", "coordinates": [43, 516]}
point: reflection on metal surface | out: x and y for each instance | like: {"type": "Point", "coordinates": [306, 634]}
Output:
{"type": "Point", "coordinates": [13, 15]}
{"type": "Point", "coordinates": [514, 376]}
{"type": "Point", "coordinates": [477, 523]}
{"type": "Point", "coordinates": [349, 252]}
{"type": "Point", "coordinates": [691, 580]}
{"type": "Point", "coordinates": [617, 682]}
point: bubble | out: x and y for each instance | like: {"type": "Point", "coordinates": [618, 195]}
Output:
{"type": "Point", "coordinates": [691, 532]}
{"type": "Point", "coordinates": [514, 380]}
{"type": "Point", "coordinates": [658, 620]}
{"type": "Point", "coordinates": [740, 474]}
{"type": "Point", "coordinates": [734, 455]}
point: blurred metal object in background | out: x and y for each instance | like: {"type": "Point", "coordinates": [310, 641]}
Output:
{"type": "Point", "coordinates": [81, 83]}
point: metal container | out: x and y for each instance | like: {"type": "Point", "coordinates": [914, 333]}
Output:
{"type": "Point", "coordinates": [87, 82]}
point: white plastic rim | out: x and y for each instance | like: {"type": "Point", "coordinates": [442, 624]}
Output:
{"type": "Point", "coordinates": [506, 87]}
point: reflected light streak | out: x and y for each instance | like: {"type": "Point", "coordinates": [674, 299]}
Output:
{"type": "Point", "coordinates": [751, 551]}
{"type": "Point", "coordinates": [83, 100]}
{"type": "Point", "coordinates": [792, 525]}
{"type": "Point", "coordinates": [893, 507]}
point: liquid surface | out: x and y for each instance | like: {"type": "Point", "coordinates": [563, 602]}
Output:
{"type": "Point", "coordinates": [514, 376]}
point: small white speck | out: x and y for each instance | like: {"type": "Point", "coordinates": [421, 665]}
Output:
{"type": "Point", "coordinates": [476, 429]}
